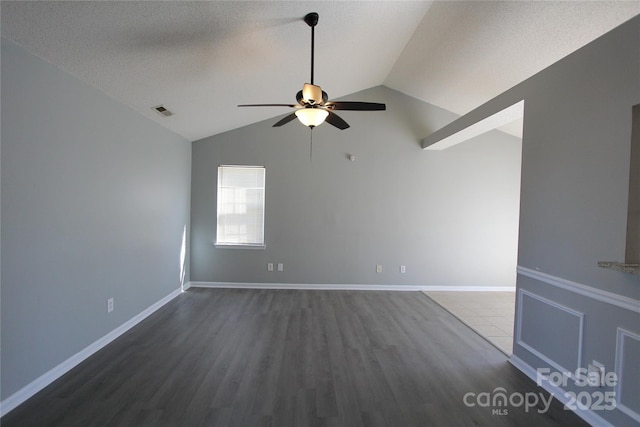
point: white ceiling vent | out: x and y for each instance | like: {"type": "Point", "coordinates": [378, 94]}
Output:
{"type": "Point", "coordinates": [162, 110]}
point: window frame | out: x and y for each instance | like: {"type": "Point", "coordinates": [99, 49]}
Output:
{"type": "Point", "coordinates": [238, 245]}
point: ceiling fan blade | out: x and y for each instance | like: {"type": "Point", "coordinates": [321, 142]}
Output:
{"type": "Point", "coordinates": [336, 120]}
{"type": "Point", "coordinates": [285, 120]}
{"type": "Point", "coordinates": [355, 106]}
{"type": "Point", "coordinates": [268, 105]}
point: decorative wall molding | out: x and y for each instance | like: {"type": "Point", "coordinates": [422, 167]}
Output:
{"type": "Point", "coordinates": [347, 287]}
{"type": "Point", "coordinates": [518, 338]}
{"type": "Point", "coordinates": [47, 378]}
{"type": "Point", "coordinates": [588, 291]}
{"type": "Point", "coordinates": [621, 336]}
{"type": "Point", "coordinates": [588, 415]}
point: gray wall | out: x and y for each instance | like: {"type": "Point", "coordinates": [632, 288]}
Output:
{"type": "Point", "coordinates": [575, 180]}
{"type": "Point", "coordinates": [94, 202]}
{"type": "Point", "coordinates": [451, 217]}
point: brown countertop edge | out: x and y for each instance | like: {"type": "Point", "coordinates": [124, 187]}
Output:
{"type": "Point", "coordinates": [620, 266]}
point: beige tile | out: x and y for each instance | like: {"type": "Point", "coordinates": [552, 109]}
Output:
{"type": "Point", "coordinates": [490, 331]}
{"type": "Point", "coordinates": [459, 311]}
{"type": "Point", "coordinates": [507, 328]}
{"type": "Point", "coordinates": [483, 311]}
{"type": "Point", "coordinates": [494, 320]}
{"type": "Point", "coordinates": [504, 343]}
{"type": "Point", "coordinates": [474, 320]}
{"type": "Point", "coordinates": [491, 314]}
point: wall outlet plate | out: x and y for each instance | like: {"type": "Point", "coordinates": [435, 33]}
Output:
{"type": "Point", "coordinates": [109, 305]}
{"type": "Point", "coordinates": [595, 374]}
{"type": "Point", "coordinates": [379, 268]}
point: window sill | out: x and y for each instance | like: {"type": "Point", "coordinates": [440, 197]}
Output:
{"type": "Point", "coordinates": [251, 247]}
{"type": "Point", "coordinates": [620, 266]}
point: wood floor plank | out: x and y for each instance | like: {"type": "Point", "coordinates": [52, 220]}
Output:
{"type": "Point", "coordinates": [231, 357]}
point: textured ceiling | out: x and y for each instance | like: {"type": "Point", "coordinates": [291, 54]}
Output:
{"type": "Point", "coordinates": [466, 52]}
{"type": "Point", "coordinates": [201, 59]}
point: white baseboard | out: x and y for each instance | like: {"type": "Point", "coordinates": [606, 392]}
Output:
{"type": "Point", "coordinates": [588, 415]}
{"type": "Point", "coordinates": [346, 287]}
{"type": "Point", "coordinates": [470, 288]}
{"type": "Point", "coordinates": [47, 378]}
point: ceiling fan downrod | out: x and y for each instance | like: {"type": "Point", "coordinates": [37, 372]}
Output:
{"type": "Point", "coordinates": [312, 20]}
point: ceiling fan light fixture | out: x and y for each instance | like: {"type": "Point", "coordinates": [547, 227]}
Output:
{"type": "Point", "coordinates": [311, 117]}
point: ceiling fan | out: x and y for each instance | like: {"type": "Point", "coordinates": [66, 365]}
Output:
{"type": "Point", "coordinates": [313, 106]}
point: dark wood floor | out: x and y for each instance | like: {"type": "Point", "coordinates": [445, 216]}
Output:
{"type": "Point", "coordinates": [215, 357]}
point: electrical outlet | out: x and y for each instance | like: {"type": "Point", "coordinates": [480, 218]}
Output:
{"type": "Point", "coordinates": [270, 266]}
{"type": "Point", "coordinates": [280, 266]}
{"type": "Point", "coordinates": [403, 269]}
{"type": "Point", "coordinates": [595, 374]}
{"type": "Point", "coordinates": [109, 305]}
{"type": "Point", "coordinates": [379, 268]}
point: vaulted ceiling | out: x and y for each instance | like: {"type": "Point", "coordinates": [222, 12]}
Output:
{"type": "Point", "coordinates": [201, 59]}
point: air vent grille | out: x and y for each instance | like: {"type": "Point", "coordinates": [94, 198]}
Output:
{"type": "Point", "coordinates": [160, 109]}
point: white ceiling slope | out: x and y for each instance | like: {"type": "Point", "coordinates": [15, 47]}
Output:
{"type": "Point", "coordinates": [201, 59]}
{"type": "Point", "coordinates": [465, 53]}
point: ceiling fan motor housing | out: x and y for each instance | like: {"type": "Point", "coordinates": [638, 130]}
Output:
{"type": "Point", "coordinates": [312, 94]}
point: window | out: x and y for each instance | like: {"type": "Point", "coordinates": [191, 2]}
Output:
{"type": "Point", "coordinates": [240, 206]}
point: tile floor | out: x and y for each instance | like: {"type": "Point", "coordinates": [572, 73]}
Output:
{"type": "Point", "coordinates": [491, 314]}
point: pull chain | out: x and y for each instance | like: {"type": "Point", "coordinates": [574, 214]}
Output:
{"type": "Point", "coordinates": [311, 145]}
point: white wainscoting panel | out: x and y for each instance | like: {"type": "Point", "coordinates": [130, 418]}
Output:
{"type": "Point", "coordinates": [627, 395]}
{"type": "Point", "coordinates": [539, 332]}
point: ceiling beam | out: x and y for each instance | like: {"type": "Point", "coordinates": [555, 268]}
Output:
{"type": "Point", "coordinates": [461, 130]}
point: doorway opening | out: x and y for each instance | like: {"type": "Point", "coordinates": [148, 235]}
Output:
{"type": "Point", "coordinates": [489, 311]}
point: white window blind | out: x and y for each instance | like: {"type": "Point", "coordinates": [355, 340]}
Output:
{"type": "Point", "coordinates": [240, 206]}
